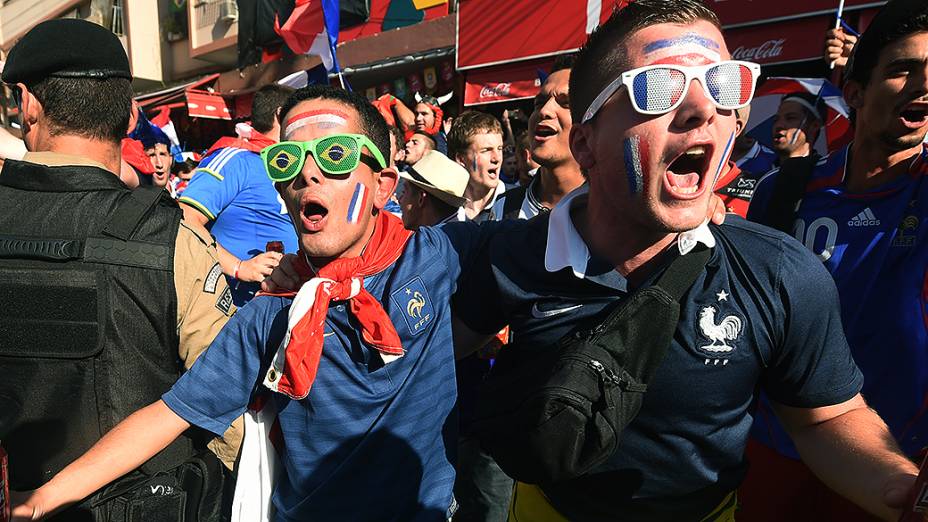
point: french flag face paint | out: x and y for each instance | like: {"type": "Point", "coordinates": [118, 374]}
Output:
{"type": "Point", "coordinates": [358, 203]}
{"type": "Point", "coordinates": [724, 159]}
{"type": "Point", "coordinates": [689, 49]}
{"type": "Point", "coordinates": [636, 161]}
{"type": "Point", "coordinates": [326, 119]}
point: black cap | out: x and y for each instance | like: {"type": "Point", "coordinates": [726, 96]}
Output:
{"type": "Point", "coordinates": [891, 23]}
{"type": "Point", "coordinates": [68, 48]}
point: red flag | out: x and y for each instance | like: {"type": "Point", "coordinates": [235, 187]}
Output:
{"type": "Point", "coordinates": [304, 31]}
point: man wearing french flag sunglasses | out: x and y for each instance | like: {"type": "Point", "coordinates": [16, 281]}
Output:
{"type": "Point", "coordinates": [653, 95]}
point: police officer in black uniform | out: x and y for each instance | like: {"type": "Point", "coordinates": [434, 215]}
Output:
{"type": "Point", "coordinates": [106, 293]}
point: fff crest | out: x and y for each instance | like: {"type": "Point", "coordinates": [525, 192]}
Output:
{"type": "Point", "coordinates": [414, 304]}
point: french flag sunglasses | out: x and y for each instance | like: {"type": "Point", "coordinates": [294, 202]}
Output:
{"type": "Point", "coordinates": [659, 89]}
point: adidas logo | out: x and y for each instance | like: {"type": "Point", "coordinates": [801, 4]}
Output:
{"type": "Point", "coordinates": [864, 219]}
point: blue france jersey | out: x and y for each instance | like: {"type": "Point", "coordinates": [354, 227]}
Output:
{"type": "Point", "coordinates": [371, 441]}
{"type": "Point", "coordinates": [232, 190]}
{"type": "Point", "coordinates": [875, 245]}
{"type": "Point", "coordinates": [758, 161]}
{"type": "Point", "coordinates": [779, 305]}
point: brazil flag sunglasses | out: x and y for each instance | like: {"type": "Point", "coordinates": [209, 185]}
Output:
{"type": "Point", "coordinates": [335, 155]}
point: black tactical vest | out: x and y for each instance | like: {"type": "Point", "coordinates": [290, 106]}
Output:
{"type": "Point", "coordinates": [88, 312]}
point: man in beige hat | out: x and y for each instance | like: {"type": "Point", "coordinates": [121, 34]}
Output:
{"type": "Point", "coordinates": [432, 191]}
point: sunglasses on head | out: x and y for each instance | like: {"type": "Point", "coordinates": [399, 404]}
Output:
{"type": "Point", "coordinates": [335, 155]}
{"type": "Point", "coordinates": [659, 89]}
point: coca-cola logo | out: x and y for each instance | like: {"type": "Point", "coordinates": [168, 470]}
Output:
{"type": "Point", "coordinates": [494, 91]}
{"type": "Point", "coordinates": [766, 50]}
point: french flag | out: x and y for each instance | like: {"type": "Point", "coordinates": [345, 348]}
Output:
{"type": "Point", "coordinates": [162, 120]}
{"type": "Point", "coordinates": [658, 88]}
{"type": "Point", "coordinates": [312, 28]}
{"type": "Point", "coordinates": [358, 202]}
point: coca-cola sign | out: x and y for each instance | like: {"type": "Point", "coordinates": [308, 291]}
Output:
{"type": "Point", "coordinates": [782, 42]}
{"type": "Point", "coordinates": [762, 53]}
{"type": "Point", "coordinates": [498, 90]}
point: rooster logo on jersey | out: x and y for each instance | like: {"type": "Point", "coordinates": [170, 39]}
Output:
{"type": "Point", "coordinates": [727, 330]}
{"type": "Point", "coordinates": [720, 328]}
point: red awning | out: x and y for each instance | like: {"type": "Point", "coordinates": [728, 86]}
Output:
{"type": "Point", "coordinates": [492, 32]}
{"type": "Point", "coordinates": [504, 82]}
{"type": "Point", "coordinates": [781, 42]}
{"type": "Point", "coordinates": [201, 104]}
{"type": "Point", "coordinates": [733, 12]}
{"type": "Point", "coordinates": [173, 94]}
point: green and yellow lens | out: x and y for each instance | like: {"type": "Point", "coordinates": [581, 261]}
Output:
{"type": "Point", "coordinates": [283, 160]}
{"type": "Point", "coordinates": [336, 154]}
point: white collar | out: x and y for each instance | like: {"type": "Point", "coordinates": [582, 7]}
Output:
{"type": "Point", "coordinates": [500, 188]}
{"type": "Point", "coordinates": [753, 153]}
{"type": "Point", "coordinates": [566, 248]}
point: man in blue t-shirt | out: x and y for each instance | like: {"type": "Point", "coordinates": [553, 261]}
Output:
{"type": "Point", "coordinates": [762, 315]}
{"type": "Point", "coordinates": [371, 435]}
{"type": "Point", "coordinates": [863, 212]}
{"type": "Point", "coordinates": [231, 196]}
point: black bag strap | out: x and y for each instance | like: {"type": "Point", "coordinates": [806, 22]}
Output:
{"type": "Point", "coordinates": [682, 272]}
{"type": "Point", "coordinates": [788, 189]}
{"type": "Point", "coordinates": [512, 202]}
{"type": "Point", "coordinates": [131, 211]}
{"type": "Point", "coordinates": [675, 281]}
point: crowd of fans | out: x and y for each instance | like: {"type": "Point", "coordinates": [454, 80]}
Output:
{"type": "Point", "coordinates": [303, 321]}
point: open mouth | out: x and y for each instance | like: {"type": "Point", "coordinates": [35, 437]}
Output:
{"type": "Point", "coordinates": [915, 115]}
{"type": "Point", "coordinates": [313, 216]}
{"type": "Point", "coordinates": [685, 174]}
{"type": "Point", "coordinates": [543, 131]}
{"type": "Point", "coordinates": [493, 173]}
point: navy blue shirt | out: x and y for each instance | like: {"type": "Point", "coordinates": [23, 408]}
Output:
{"type": "Point", "coordinates": [691, 432]}
{"type": "Point", "coordinates": [370, 441]}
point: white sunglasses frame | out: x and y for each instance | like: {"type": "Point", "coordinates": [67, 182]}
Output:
{"type": "Point", "coordinates": [690, 72]}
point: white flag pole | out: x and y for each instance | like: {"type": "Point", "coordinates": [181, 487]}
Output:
{"type": "Point", "coordinates": [838, 26]}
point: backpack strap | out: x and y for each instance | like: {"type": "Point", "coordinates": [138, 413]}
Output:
{"type": "Point", "coordinates": [788, 190]}
{"type": "Point", "coordinates": [13, 247]}
{"type": "Point", "coordinates": [512, 202]}
{"type": "Point", "coordinates": [117, 249]}
{"type": "Point", "coordinates": [131, 211]}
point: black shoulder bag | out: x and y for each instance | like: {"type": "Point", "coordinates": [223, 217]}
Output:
{"type": "Point", "coordinates": [552, 414]}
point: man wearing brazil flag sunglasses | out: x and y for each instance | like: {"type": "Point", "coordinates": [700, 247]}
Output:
{"type": "Point", "coordinates": [358, 365]}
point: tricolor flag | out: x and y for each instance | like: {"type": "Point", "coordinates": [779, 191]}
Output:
{"type": "Point", "coordinates": [162, 120]}
{"type": "Point", "coordinates": [312, 28]}
{"type": "Point", "coordinates": [358, 201]}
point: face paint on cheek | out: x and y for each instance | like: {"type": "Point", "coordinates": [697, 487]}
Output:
{"type": "Point", "coordinates": [358, 203]}
{"type": "Point", "coordinates": [636, 161]}
{"type": "Point", "coordinates": [689, 49]}
{"type": "Point", "coordinates": [724, 160]}
{"type": "Point", "coordinates": [322, 119]}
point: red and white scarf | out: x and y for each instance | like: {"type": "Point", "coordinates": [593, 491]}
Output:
{"type": "Point", "coordinates": [297, 358]}
{"type": "Point", "coordinates": [296, 362]}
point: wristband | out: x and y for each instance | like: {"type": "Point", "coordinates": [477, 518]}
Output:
{"type": "Point", "coordinates": [237, 266]}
